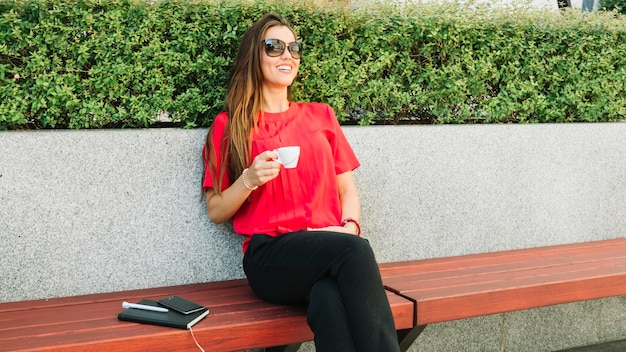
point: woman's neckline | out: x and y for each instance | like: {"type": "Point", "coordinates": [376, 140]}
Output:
{"type": "Point", "coordinates": [280, 115]}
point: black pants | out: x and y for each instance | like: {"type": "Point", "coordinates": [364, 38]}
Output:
{"type": "Point", "coordinates": [337, 276]}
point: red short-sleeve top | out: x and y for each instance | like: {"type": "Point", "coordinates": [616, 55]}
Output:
{"type": "Point", "coordinates": [302, 197]}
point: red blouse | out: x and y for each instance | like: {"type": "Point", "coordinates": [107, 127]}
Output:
{"type": "Point", "coordinates": [306, 196]}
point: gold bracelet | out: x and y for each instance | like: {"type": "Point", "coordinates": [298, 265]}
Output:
{"type": "Point", "coordinates": [245, 183]}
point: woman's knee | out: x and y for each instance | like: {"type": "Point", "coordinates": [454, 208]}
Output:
{"type": "Point", "coordinates": [360, 248]}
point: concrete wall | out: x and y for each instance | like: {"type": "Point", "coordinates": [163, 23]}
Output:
{"type": "Point", "coordinates": [97, 211]}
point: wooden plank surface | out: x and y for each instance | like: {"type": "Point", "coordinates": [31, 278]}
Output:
{"type": "Point", "coordinates": [474, 285]}
{"type": "Point", "coordinates": [420, 292]}
{"type": "Point", "coordinates": [237, 320]}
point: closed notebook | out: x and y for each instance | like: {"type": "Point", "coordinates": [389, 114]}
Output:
{"type": "Point", "coordinates": [172, 318]}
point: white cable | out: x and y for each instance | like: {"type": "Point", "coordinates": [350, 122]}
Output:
{"type": "Point", "coordinates": [196, 341]}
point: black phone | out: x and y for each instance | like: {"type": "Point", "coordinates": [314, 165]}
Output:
{"type": "Point", "coordinates": [180, 304]}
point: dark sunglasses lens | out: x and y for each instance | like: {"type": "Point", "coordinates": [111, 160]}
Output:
{"type": "Point", "coordinates": [295, 48]}
{"type": "Point", "coordinates": [274, 47]}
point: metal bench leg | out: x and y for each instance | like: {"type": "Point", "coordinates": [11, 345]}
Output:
{"type": "Point", "coordinates": [287, 348]}
{"type": "Point", "coordinates": [408, 336]}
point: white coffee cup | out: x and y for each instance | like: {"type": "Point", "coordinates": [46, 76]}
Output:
{"type": "Point", "coordinates": [288, 156]}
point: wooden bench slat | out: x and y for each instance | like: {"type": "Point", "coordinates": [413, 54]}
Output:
{"type": "Point", "coordinates": [533, 276]}
{"type": "Point", "coordinates": [80, 329]}
{"type": "Point", "coordinates": [403, 311]}
{"type": "Point", "coordinates": [513, 283]}
{"type": "Point", "coordinates": [511, 265]}
{"type": "Point", "coordinates": [81, 309]}
{"type": "Point", "coordinates": [105, 315]}
{"type": "Point", "coordinates": [130, 295]}
{"type": "Point", "coordinates": [111, 333]}
{"type": "Point", "coordinates": [517, 298]}
{"type": "Point", "coordinates": [530, 256]}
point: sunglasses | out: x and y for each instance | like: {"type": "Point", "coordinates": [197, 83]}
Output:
{"type": "Point", "coordinates": [276, 47]}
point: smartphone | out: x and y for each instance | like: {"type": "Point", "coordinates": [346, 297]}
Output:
{"type": "Point", "coordinates": [180, 304]}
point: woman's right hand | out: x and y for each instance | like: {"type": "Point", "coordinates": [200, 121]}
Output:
{"type": "Point", "coordinates": [221, 207]}
{"type": "Point", "coordinates": [263, 169]}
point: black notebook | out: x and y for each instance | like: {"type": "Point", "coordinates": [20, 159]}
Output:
{"type": "Point", "coordinates": [171, 318]}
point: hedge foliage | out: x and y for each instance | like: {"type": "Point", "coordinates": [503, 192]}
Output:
{"type": "Point", "coordinates": [126, 63]}
{"type": "Point", "coordinates": [614, 5]}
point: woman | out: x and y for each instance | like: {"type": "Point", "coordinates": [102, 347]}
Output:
{"type": "Point", "coordinates": [301, 224]}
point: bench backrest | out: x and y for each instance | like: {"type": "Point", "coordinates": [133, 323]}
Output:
{"type": "Point", "coordinates": [98, 211]}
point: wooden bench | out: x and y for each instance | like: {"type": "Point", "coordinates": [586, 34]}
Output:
{"type": "Point", "coordinates": [469, 286]}
{"type": "Point", "coordinates": [420, 293]}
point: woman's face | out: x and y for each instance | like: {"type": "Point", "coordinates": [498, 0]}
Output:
{"type": "Point", "coordinates": [279, 71]}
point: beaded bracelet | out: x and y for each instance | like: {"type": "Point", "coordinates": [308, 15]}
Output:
{"type": "Point", "coordinates": [352, 220]}
{"type": "Point", "coordinates": [245, 183]}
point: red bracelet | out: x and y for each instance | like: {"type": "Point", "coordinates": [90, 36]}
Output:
{"type": "Point", "coordinates": [352, 220]}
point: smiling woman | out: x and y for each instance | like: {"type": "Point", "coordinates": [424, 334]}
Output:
{"type": "Point", "coordinates": [300, 222]}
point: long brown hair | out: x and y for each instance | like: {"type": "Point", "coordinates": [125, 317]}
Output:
{"type": "Point", "coordinates": [243, 104]}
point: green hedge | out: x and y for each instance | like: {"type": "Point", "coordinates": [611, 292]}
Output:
{"type": "Point", "coordinates": [614, 5]}
{"type": "Point", "coordinates": [120, 63]}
